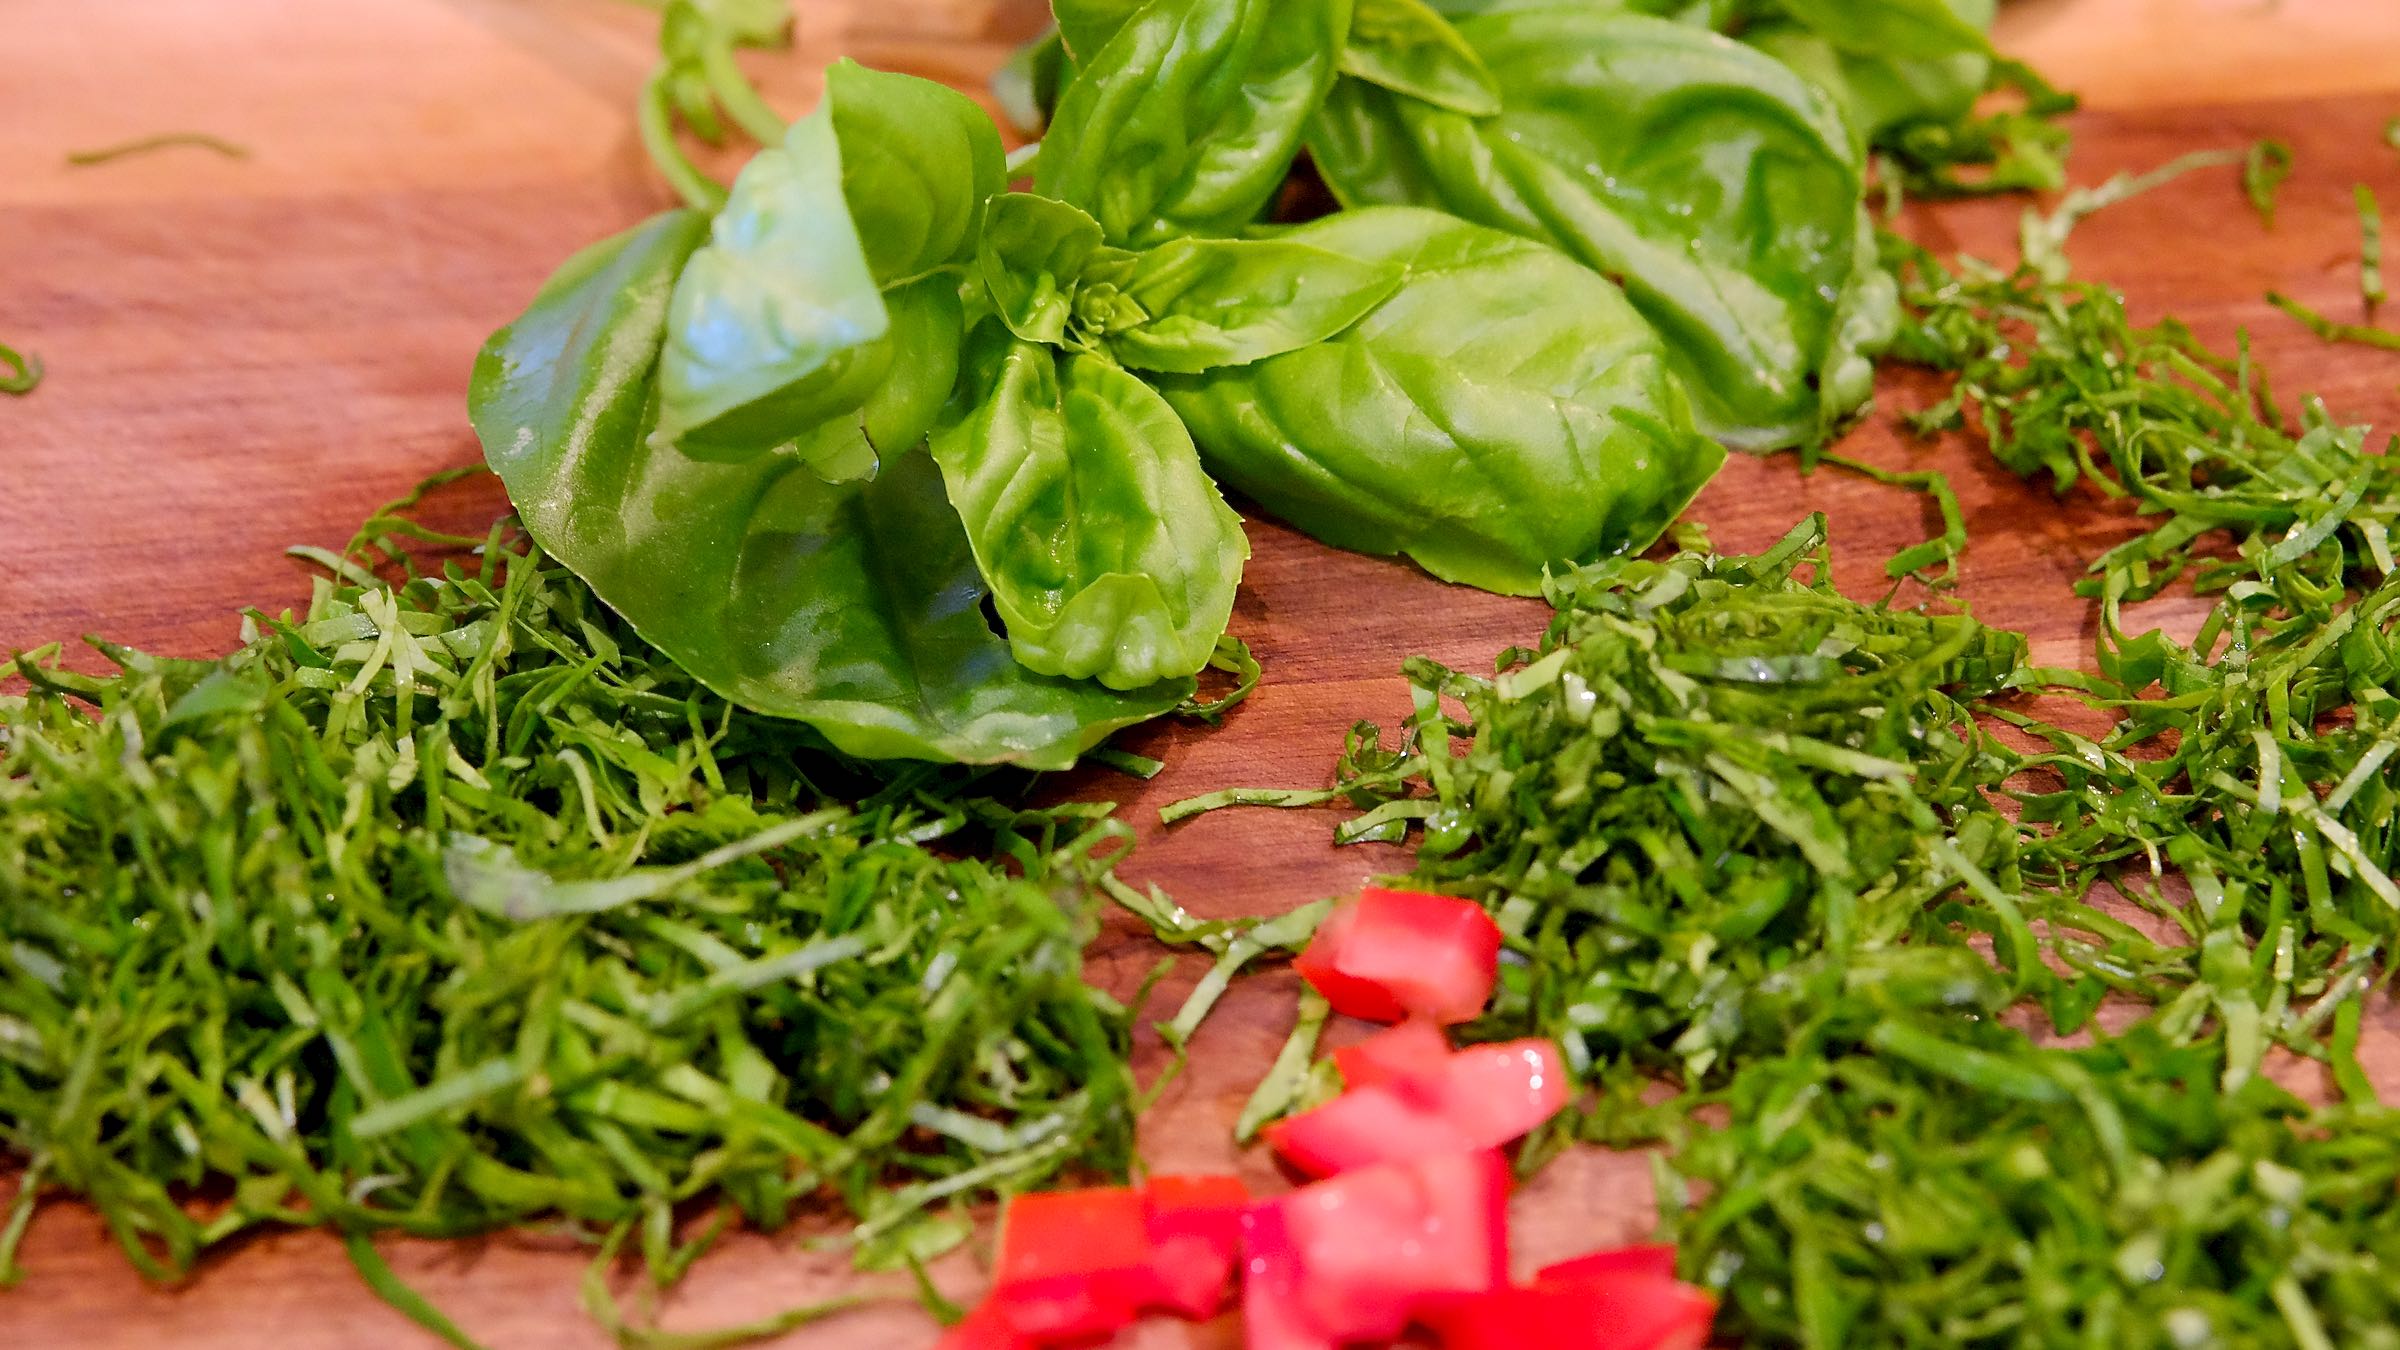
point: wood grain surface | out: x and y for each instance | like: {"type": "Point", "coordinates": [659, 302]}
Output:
{"type": "Point", "coordinates": [249, 353]}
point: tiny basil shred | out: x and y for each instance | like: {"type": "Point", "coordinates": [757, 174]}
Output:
{"type": "Point", "coordinates": [449, 904]}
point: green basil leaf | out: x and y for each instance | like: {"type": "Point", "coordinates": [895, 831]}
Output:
{"type": "Point", "coordinates": [1408, 48]}
{"type": "Point", "coordinates": [1187, 305]}
{"type": "Point", "coordinates": [1110, 554]}
{"type": "Point", "coordinates": [1909, 30]}
{"type": "Point", "coordinates": [1881, 90]}
{"type": "Point", "coordinates": [1503, 411]}
{"type": "Point", "coordinates": [1033, 255]}
{"type": "Point", "coordinates": [779, 325]}
{"type": "Point", "coordinates": [1087, 25]}
{"type": "Point", "coordinates": [1719, 188]}
{"type": "Point", "coordinates": [854, 607]}
{"type": "Point", "coordinates": [1227, 302]}
{"type": "Point", "coordinates": [1186, 121]}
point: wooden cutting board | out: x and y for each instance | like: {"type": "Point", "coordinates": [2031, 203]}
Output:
{"type": "Point", "coordinates": [249, 353]}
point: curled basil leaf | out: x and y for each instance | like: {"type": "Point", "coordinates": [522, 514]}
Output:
{"type": "Point", "coordinates": [1109, 552]}
{"type": "Point", "coordinates": [785, 332]}
{"type": "Point", "coordinates": [1186, 119]}
{"type": "Point", "coordinates": [1720, 189]}
{"type": "Point", "coordinates": [854, 607]}
{"type": "Point", "coordinates": [1504, 411]}
{"type": "Point", "coordinates": [1186, 305]}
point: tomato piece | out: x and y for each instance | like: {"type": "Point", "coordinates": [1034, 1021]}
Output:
{"type": "Point", "coordinates": [1413, 1048]}
{"type": "Point", "coordinates": [1195, 1228]}
{"type": "Point", "coordinates": [1363, 1127]}
{"type": "Point", "coordinates": [1354, 1257]}
{"type": "Point", "coordinates": [986, 1328]}
{"type": "Point", "coordinates": [1653, 1259]}
{"type": "Point", "coordinates": [1478, 1098]}
{"type": "Point", "coordinates": [1495, 1093]}
{"type": "Point", "coordinates": [1073, 1263]}
{"type": "Point", "coordinates": [1626, 1312]}
{"type": "Point", "coordinates": [1390, 954]}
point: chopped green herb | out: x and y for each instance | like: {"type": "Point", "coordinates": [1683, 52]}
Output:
{"type": "Point", "coordinates": [2334, 330]}
{"type": "Point", "coordinates": [1867, 1200]}
{"type": "Point", "coordinates": [449, 904]}
{"type": "Point", "coordinates": [2370, 246]}
{"type": "Point", "coordinates": [25, 370]}
{"type": "Point", "coordinates": [2043, 238]}
{"type": "Point", "coordinates": [142, 145]}
{"type": "Point", "coordinates": [2020, 148]}
{"type": "Point", "coordinates": [2264, 170]}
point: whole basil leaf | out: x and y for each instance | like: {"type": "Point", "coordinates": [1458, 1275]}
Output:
{"type": "Point", "coordinates": [1504, 411]}
{"type": "Point", "coordinates": [781, 329]}
{"type": "Point", "coordinates": [1110, 554]}
{"type": "Point", "coordinates": [1186, 305]}
{"type": "Point", "coordinates": [1187, 119]}
{"type": "Point", "coordinates": [854, 607]}
{"type": "Point", "coordinates": [1408, 48]}
{"type": "Point", "coordinates": [1718, 187]}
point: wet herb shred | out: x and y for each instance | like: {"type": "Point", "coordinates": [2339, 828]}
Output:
{"type": "Point", "coordinates": [448, 905]}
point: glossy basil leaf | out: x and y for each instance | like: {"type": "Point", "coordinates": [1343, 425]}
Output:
{"type": "Point", "coordinates": [1503, 411]}
{"type": "Point", "coordinates": [1718, 187]}
{"type": "Point", "coordinates": [1881, 90]}
{"type": "Point", "coordinates": [854, 607]}
{"type": "Point", "coordinates": [1408, 48]}
{"type": "Point", "coordinates": [1908, 30]}
{"type": "Point", "coordinates": [780, 324]}
{"type": "Point", "coordinates": [1187, 120]}
{"type": "Point", "coordinates": [1186, 305]}
{"type": "Point", "coordinates": [1087, 25]}
{"type": "Point", "coordinates": [1110, 554]}
{"type": "Point", "coordinates": [1227, 302]}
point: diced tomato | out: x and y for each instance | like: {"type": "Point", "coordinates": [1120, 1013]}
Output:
{"type": "Point", "coordinates": [1363, 1127]}
{"type": "Point", "coordinates": [1390, 954]}
{"type": "Point", "coordinates": [1629, 1312]}
{"type": "Point", "coordinates": [1478, 1098]}
{"type": "Point", "coordinates": [1414, 1047]}
{"type": "Point", "coordinates": [1495, 1093]}
{"type": "Point", "coordinates": [1354, 1257]}
{"type": "Point", "coordinates": [1653, 1259]}
{"type": "Point", "coordinates": [986, 1328]}
{"type": "Point", "coordinates": [1195, 1227]}
{"type": "Point", "coordinates": [1073, 1263]}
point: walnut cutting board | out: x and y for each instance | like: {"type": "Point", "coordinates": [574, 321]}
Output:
{"type": "Point", "coordinates": [247, 354]}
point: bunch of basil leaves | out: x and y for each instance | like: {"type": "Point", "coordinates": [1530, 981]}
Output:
{"type": "Point", "coordinates": [872, 442]}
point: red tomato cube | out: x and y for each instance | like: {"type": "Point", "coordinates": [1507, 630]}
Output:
{"type": "Point", "coordinates": [1073, 1263]}
{"type": "Point", "coordinates": [1354, 1257]}
{"type": "Point", "coordinates": [1410, 1049]}
{"type": "Point", "coordinates": [1392, 954]}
